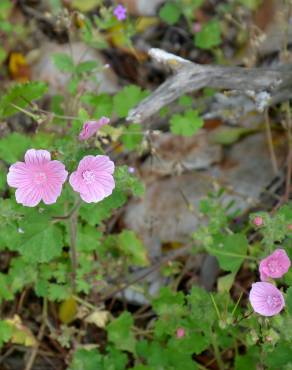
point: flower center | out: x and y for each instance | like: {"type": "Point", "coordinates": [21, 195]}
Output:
{"type": "Point", "coordinates": [273, 266]}
{"type": "Point", "coordinates": [40, 178]}
{"type": "Point", "coordinates": [88, 177]}
{"type": "Point", "coordinates": [273, 301]}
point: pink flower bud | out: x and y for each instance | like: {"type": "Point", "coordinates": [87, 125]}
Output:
{"type": "Point", "coordinates": [180, 333]}
{"type": "Point", "coordinates": [197, 27]}
{"type": "Point", "coordinates": [258, 221]}
{"type": "Point", "coordinates": [290, 227]}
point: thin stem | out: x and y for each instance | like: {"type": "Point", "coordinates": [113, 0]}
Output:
{"type": "Point", "coordinates": [73, 218]}
{"type": "Point", "coordinates": [41, 333]}
{"type": "Point", "coordinates": [237, 303]}
{"type": "Point", "coordinates": [69, 215]}
{"type": "Point", "coordinates": [217, 353]}
{"type": "Point", "coordinates": [270, 142]}
{"type": "Point", "coordinates": [33, 116]}
{"type": "Point", "coordinates": [289, 157]}
{"type": "Point", "coordinates": [215, 306]}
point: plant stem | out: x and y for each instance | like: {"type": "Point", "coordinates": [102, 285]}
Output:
{"type": "Point", "coordinates": [289, 157]}
{"type": "Point", "coordinates": [217, 353]}
{"type": "Point", "coordinates": [34, 352]}
{"type": "Point", "coordinates": [270, 143]}
{"type": "Point", "coordinates": [72, 219]}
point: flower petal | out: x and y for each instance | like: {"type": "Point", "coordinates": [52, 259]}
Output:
{"type": "Point", "coordinates": [36, 157]}
{"type": "Point", "coordinates": [18, 175]}
{"type": "Point", "coordinates": [28, 196]}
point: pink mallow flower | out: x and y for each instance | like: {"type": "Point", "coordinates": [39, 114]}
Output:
{"type": "Point", "coordinates": [275, 265]}
{"type": "Point", "coordinates": [120, 12]}
{"type": "Point", "coordinates": [91, 127]}
{"type": "Point", "coordinates": [93, 178]}
{"type": "Point", "coordinates": [37, 178]}
{"type": "Point", "coordinates": [266, 299]}
{"type": "Point", "coordinates": [180, 333]}
{"type": "Point", "coordinates": [258, 221]}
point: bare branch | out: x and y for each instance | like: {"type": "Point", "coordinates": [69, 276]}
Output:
{"type": "Point", "coordinates": [189, 77]}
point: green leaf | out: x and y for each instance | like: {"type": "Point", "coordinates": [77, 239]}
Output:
{"type": "Point", "coordinates": [87, 66]}
{"type": "Point", "coordinates": [21, 95]}
{"type": "Point", "coordinates": [193, 342]}
{"type": "Point", "coordinates": [88, 239]}
{"type": "Point", "coordinates": [115, 360]}
{"type": "Point", "coordinates": [209, 36]}
{"type": "Point", "coordinates": [249, 360]}
{"type": "Point", "coordinates": [225, 282]}
{"type": "Point", "coordinates": [85, 5]}
{"type": "Point", "coordinates": [103, 104]}
{"type": "Point", "coordinates": [13, 147]}
{"type": "Point", "coordinates": [289, 300]}
{"type": "Point", "coordinates": [86, 360]}
{"type": "Point", "coordinates": [132, 136]}
{"type": "Point", "coordinates": [5, 332]}
{"type": "Point", "coordinates": [120, 332]}
{"type": "Point", "coordinates": [230, 251]}
{"type": "Point", "coordinates": [229, 135]}
{"type": "Point", "coordinates": [95, 213]}
{"type": "Point", "coordinates": [170, 13]}
{"type": "Point", "coordinates": [186, 124]}
{"type": "Point", "coordinates": [281, 356]}
{"type": "Point", "coordinates": [202, 309]}
{"type": "Point", "coordinates": [127, 98]}
{"type": "Point", "coordinates": [169, 302]}
{"type": "Point", "coordinates": [185, 101]}
{"type": "Point", "coordinates": [133, 248]}
{"type": "Point", "coordinates": [63, 62]}
{"type": "Point", "coordinates": [5, 289]}
{"type": "Point", "coordinates": [251, 4]}
{"type": "Point", "coordinates": [41, 241]}
{"type": "Point", "coordinates": [58, 292]}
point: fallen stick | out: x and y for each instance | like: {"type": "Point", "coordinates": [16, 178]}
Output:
{"type": "Point", "coordinates": [265, 86]}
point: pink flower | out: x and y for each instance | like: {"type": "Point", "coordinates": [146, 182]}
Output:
{"type": "Point", "coordinates": [258, 221]}
{"type": "Point", "coordinates": [120, 12]}
{"type": "Point", "coordinates": [180, 333]}
{"type": "Point", "coordinates": [290, 227]}
{"type": "Point", "coordinates": [91, 127]}
{"type": "Point", "coordinates": [266, 299]}
{"type": "Point", "coordinates": [275, 265]}
{"type": "Point", "coordinates": [93, 178]}
{"type": "Point", "coordinates": [37, 178]}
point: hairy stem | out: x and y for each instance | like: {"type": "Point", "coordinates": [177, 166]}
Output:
{"type": "Point", "coordinates": [270, 143]}
{"type": "Point", "coordinates": [217, 353]}
{"type": "Point", "coordinates": [73, 218]}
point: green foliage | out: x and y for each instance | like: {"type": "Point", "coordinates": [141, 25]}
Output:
{"type": "Point", "coordinates": [230, 250]}
{"type": "Point", "coordinates": [186, 124]}
{"type": "Point", "coordinates": [127, 98]}
{"type": "Point", "coordinates": [20, 96]}
{"type": "Point", "coordinates": [251, 4]}
{"type": "Point", "coordinates": [289, 300]}
{"type": "Point", "coordinates": [63, 62]}
{"type": "Point", "coordinates": [132, 136]}
{"type": "Point", "coordinates": [120, 332]}
{"type": "Point", "coordinates": [132, 248]}
{"type": "Point", "coordinates": [13, 147]}
{"type": "Point", "coordinates": [86, 360]}
{"type": "Point", "coordinates": [209, 36]}
{"type": "Point", "coordinates": [41, 240]}
{"type": "Point", "coordinates": [5, 332]}
{"type": "Point", "coordinates": [170, 13]}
